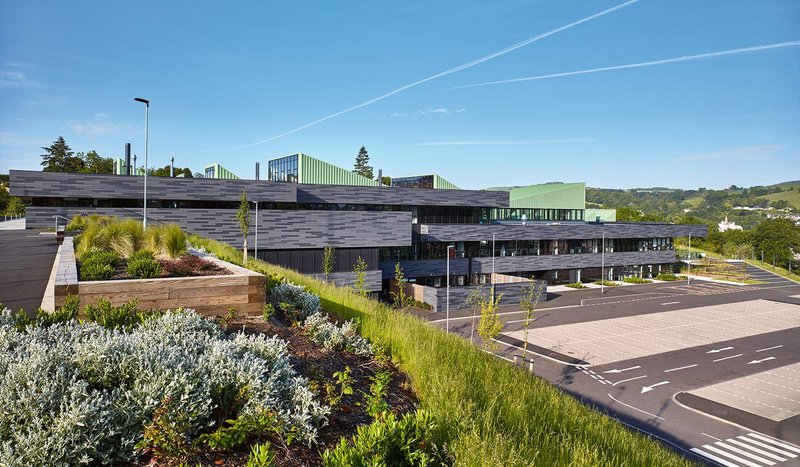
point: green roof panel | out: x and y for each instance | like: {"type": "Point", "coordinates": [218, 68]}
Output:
{"type": "Point", "coordinates": [549, 195]}
{"type": "Point", "coordinates": [316, 172]}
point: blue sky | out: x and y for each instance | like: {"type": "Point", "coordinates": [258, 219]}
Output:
{"type": "Point", "coordinates": [223, 76]}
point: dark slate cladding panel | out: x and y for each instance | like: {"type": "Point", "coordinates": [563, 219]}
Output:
{"type": "Point", "coordinates": [372, 281]}
{"type": "Point", "coordinates": [512, 293]}
{"type": "Point", "coordinates": [277, 229]}
{"type": "Point", "coordinates": [61, 185]}
{"type": "Point", "coordinates": [535, 231]}
{"type": "Point", "coordinates": [337, 194]}
{"type": "Point", "coordinates": [438, 267]}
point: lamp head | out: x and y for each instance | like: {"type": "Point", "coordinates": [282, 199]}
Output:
{"type": "Point", "coordinates": [144, 101]}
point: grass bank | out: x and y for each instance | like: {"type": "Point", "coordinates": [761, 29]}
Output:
{"type": "Point", "coordinates": [490, 412]}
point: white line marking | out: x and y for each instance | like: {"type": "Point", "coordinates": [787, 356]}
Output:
{"type": "Point", "coordinates": [620, 371]}
{"type": "Point", "coordinates": [713, 457]}
{"type": "Point", "coordinates": [767, 446]}
{"type": "Point", "coordinates": [634, 408]}
{"type": "Point", "coordinates": [629, 379]}
{"type": "Point", "coordinates": [727, 454]}
{"type": "Point", "coordinates": [744, 453]}
{"type": "Point", "coordinates": [761, 361]}
{"type": "Point", "coordinates": [755, 449]}
{"type": "Point", "coordinates": [770, 348]}
{"type": "Point", "coordinates": [670, 303]}
{"type": "Point", "coordinates": [725, 358]}
{"type": "Point", "coordinates": [680, 368]}
{"type": "Point", "coordinates": [776, 442]}
{"type": "Point", "coordinates": [653, 386]}
{"type": "Point", "coordinates": [712, 437]}
{"type": "Point", "coordinates": [719, 350]}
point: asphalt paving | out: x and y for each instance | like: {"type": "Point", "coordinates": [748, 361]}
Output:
{"type": "Point", "coordinates": [26, 259]}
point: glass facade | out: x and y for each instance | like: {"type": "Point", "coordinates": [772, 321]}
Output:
{"type": "Point", "coordinates": [284, 169]}
{"type": "Point", "coordinates": [537, 214]}
{"type": "Point", "coordinates": [422, 181]}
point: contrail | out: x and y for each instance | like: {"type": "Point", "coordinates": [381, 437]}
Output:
{"type": "Point", "coordinates": [470, 64]}
{"type": "Point", "coordinates": [684, 58]}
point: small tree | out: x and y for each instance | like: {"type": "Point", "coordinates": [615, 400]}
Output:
{"type": "Point", "coordinates": [362, 166]}
{"type": "Point", "coordinates": [531, 295]}
{"type": "Point", "coordinates": [400, 298]}
{"type": "Point", "coordinates": [360, 270]}
{"type": "Point", "coordinates": [474, 302]}
{"type": "Point", "coordinates": [243, 221]}
{"type": "Point", "coordinates": [58, 157]}
{"type": "Point", "coordinates": [490, 324]}
{"type": "Point", "coordinates": [327, 261]}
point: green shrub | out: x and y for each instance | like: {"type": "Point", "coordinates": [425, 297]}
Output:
{"type": "Point", "coordinates": [67, 312]}
{"type": "Point", "coordinates": [143, 265]}
{"type": "Point", "coordinates": [667, 277]}
{"type": "Point", "coordinates": [261, 455]}
{"type": "Point", "coordinates": [100, 256]}
{"type": "Point", "coordinates": [389, 441]}
{"type": "Point", "coordinates": [166, 436]}
{"type": "Point", "coordinates": [78, 222]}
{"type": "Point", "coordinates": [607, 283]}
{"type": "Point", "coordinates": [636, 280]}
{"type": "Point", "coordinates": [268, 311]}
{"type": "Point", "coordinates": [238, 431]}
{"type": "Point", "coordinates": [96, 271]}
{"type": "Point", "coordinates": [577, 285]}
{"type": "Point", "coordinates": [174, 241]}
{"type": "Point", "coordinates": [118, 317]}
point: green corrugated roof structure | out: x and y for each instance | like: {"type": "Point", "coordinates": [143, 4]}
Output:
{"type": "Point", "coordinates": [429, 181]}
{"type": "Point", "coordinates": [604, 215]}
{"type": "Point", "coordinates": [219, 172]}
{"type": "Point", "coordinates": [549, 195]}
{"type": "Point", "coordinates": [440, 183]}
{"type": "Point", "coordinates": [311, 170]}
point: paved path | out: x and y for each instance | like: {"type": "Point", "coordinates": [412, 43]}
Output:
{"type": "Point", "coordinates": [26, 259]}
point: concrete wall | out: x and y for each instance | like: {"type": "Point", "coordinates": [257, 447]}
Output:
{"type": "Point", "coordinates": [436, 297]}
{"type": "Point", "coordinates": [553, 231]}
{"type": "Point", "coordinates": [277, 229]}
{"type": "Point", "coordinates": [438, 267]}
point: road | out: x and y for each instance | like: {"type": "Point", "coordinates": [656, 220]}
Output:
{"type": "Point", "coordinates": [711, 370]}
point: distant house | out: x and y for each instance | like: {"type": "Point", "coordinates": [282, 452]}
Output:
{"type": "Point", "coordinates": [725, 225]}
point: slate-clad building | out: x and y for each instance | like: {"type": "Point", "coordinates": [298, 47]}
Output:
{"type": "Point", "coordinates": [383, 225]}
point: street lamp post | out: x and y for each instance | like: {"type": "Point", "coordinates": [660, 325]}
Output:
{"type": "Point", "coordinates": [146, 125]}
{"type": "Point", "coordinates": [603, 266]}
{"type": "Point", "coordinates": [256, 229]}
{"type": "Point", "coordinates": [447, 318]}
{"type": "Point", "coordinates": [492, 279]}
{"type": "Point", "coordinates": [689, 262]}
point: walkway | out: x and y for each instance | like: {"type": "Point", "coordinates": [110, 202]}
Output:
{"type": "Point", "coordinates": [26, 259]}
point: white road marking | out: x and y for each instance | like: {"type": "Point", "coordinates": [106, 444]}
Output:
{"type": "Point", "coordinates": [769, 348]}
{"type": "Point", "coordinates": [719, 350]}
{"type": "Point", "coordinates": [744, 453]}
{"type": "Point", "coordinates": [726, 358]}
{"type": "Point", "coordinates": [620, 371]}
{"type": "Point", "coordinates": [634, 408]}
{"type": "Point", "coordinates": [680, 368]}
{"type": "Point", "coordinates": [761, 361]}
{"type": "Point", "coordinates": [766, 446]}
{"type": "Point", "coordinates": [776, 442]}
{"type": "Point", "coordinates": [713, 457]}
{"type": "Point", "coordinates": [652, 386]}
{"type": "Point", "coordinates": [731, 456]}
{"type": "Point", "coordinates": [670, 303]}
{"type": "Point", "coordinates": [712, 437]}
{"type": "Point", "coordinates": [629, 379]}
{"type": "Point", "coordinates": [755, 449]}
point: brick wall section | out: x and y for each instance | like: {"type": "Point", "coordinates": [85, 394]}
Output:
{"type": "Point", "coordinates": [399, 196]}
{"type": "Point", "coordinates": [277, 229]}
{"type": "Point", "coordinates": [543, 231]}
{"type": "Point", "coordinates": [438, 267]}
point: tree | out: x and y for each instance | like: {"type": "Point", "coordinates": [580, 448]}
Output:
{"type": "Point", "coordinates": [243, 221]}
{"type": "Point", "coordinates": [362, 166]}
{"type": "Point", "coordinates": [59, 157]}
{"type": "Point", "coordinates": [96, 164]}
{"type": "Point", "coordinates": [164, 172]}
{"type": "Point", "coordinates": [327, 261]}
{"type": "Point", "coordinates": [15, 206]}
{"type": "Point", "coordinates": [490, 324]}
{"type": "Point", "coordinates": [474, 303]}
{"type": "Point", "coordinates": [401, 300]}
{"type": "Point", "coordinates": [5, 197]}
{"type": "Point", "coordinates": [385, 180]}
{"type": "Point", "coordinates": [531, 295]}
{"type": "Point", "coordinates": [626, 214]}
{"type": "Point", "coordinates": [360, 270]}
{"type": "Point", "coordinates": [775, 237]}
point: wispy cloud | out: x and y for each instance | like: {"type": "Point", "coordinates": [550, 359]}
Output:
{"type": "Point", "coordinates": [14, 78]}
{"type": "Point", "coordinates": [100, 115]}
{"type": "Point", "coordinates": [740, 154]}
{"type": "Point", "coordinates": [447, 72]}
{"type": "Point", "coordinates": [507, 142]}
{"type": "Point", "coordinates": [684, 58]}
{"type": "Point", "coordinates": [12, 64]}
{"type": "Point", "coordinates": [101, 128]}
{"type": "Point", "coordinates": [429, 112]}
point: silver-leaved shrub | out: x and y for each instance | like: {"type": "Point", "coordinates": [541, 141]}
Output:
{"type": "Point", "coordinates": [297, 297]}
{"type": "Point", "coordinates": [321, 330]}
{"type": "Point", "coordinates": [77, 393]}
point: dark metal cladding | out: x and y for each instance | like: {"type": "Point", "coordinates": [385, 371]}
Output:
{"type": "Point", "coordinates": [554, 231]}
{"type": "Point", "coordinates": [339, 194]}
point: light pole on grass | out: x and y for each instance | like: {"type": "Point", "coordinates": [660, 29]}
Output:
{"type": "Point", "coordinates": [447, 318]}
{"type": "Point", "coordinates": [492, 278]}
{"type": "Point", "coordinates": [256, 246]}
{"type": "Point", "coordinates": [146, 125]}
{"type": "Point", "coordinates": [689, 262]}
{"type": "Point", "coordinates": [603, 266]}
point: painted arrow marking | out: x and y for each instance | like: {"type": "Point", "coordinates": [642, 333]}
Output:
{"type": "Point", "coordinates": [719, 350]}
{"type": "Point", "coordinates": [620, 371]}
{"type": "Point", "coordinates": [761, 361]}
{"type": "Point", "coordinates": [652, 386]}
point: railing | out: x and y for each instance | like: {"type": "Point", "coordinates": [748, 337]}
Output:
{"type": "Point", "coordinates": [56, 217]}
{"type": "Point", "coordinates": [11, 217]}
